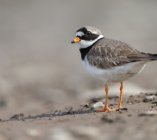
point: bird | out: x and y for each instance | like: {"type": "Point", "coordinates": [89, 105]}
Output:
{"type": "Point", "coordinates": [109, 60]}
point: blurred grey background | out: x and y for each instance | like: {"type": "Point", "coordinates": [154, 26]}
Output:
{"type": "Point", "coordinates": [39, 65]}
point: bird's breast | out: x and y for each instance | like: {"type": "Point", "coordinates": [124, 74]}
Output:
{"type": "Point", "coordinates": [115, 74]}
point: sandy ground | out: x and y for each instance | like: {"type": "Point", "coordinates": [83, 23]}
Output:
{"type": "Point", "coordinates": [137, 120]}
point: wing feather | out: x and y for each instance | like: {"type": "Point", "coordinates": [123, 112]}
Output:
{"type": "Point", "coordinates": [109, 53]}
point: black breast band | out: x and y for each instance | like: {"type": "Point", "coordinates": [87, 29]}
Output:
{"type": "Point", "coordinates": [84, 51]}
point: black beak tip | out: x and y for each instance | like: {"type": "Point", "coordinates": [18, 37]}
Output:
{"type": "Point", "coordinates": [72, 42]}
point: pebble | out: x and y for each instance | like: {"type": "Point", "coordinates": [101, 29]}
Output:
{"type": "Point", "coordinates": [149, 98]}
{"type": "Point", "coordinates": [98, 106]}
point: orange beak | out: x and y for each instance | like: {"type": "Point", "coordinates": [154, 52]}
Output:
{"type": "Point", "coordinates": [76, 40]}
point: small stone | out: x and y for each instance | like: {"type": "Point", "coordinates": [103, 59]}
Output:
{"type": "Point", "coordinates": [149, 98]}
{"type": "Point", "coordinates": [98, 106]}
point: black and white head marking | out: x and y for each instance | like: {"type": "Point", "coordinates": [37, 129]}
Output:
{"type": "Point", "coordinates": [88, 36]}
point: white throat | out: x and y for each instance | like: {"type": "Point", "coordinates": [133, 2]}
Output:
{"type": "Point", "coordinates": [85, 43]}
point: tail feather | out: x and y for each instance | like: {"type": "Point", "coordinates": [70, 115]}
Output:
{"type": "Point", "coordinates": [152, 56]}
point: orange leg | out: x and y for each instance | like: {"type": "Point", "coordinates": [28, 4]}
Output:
{"type": "Point", "coordinates": [121, 96]}
{"type": "Point", "coordinates": [106, 108]}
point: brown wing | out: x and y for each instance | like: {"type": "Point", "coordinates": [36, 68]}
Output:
{"type": "Point", "coordinates": [109, 53]}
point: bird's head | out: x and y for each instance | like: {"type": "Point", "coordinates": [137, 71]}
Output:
{"type": "Point", "coordinates": [87, 36]}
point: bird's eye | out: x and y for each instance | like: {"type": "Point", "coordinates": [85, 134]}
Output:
{"type": "Point", "coordinates": [84, 37]}
{"type": "Point", "coordinates": [78, 36]}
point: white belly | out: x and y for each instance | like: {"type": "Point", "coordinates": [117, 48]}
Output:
{"type": "Point", "coordinates": [115, 74]}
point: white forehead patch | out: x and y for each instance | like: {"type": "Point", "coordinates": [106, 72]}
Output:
{"type": "Point", "coordinates": [79, 33]}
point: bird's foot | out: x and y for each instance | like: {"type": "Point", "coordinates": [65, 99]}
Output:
{"type": "Point", "coordinates": [119, 107]}
{"type": "Point", "coordinates": [106, 109]}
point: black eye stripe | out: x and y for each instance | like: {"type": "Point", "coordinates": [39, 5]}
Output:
{"type": "Point", "coordinates": [87, 34]}
{"type": "Point", "coordinates": [89, 37]}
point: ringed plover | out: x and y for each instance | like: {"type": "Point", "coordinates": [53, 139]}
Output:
{"type": "Point", "coordinates": [109, 60]}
